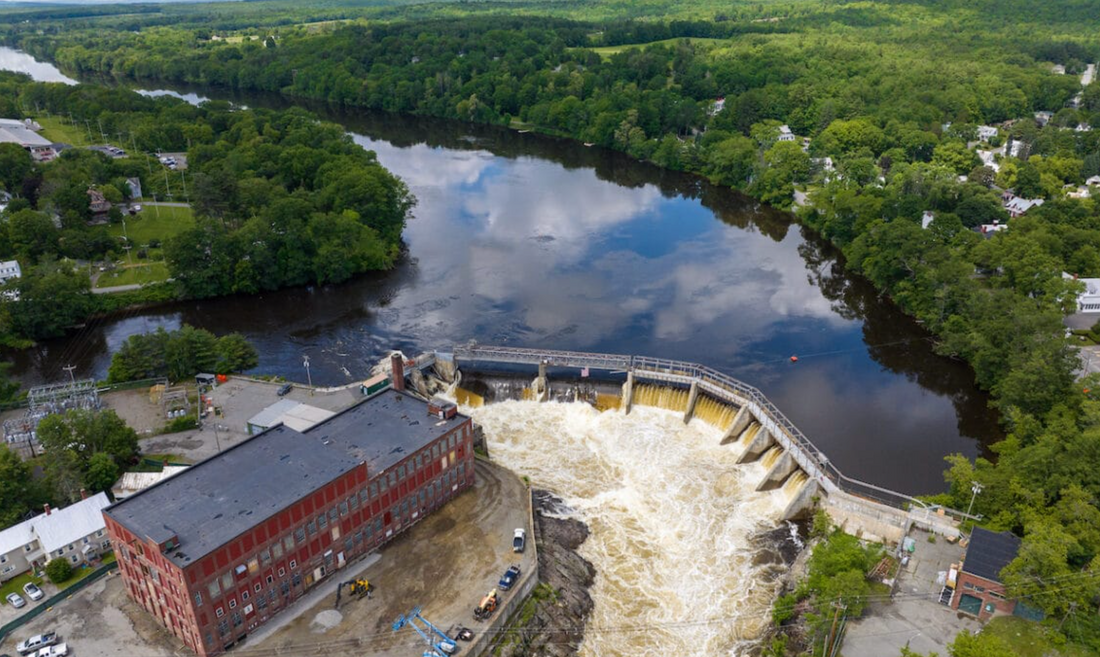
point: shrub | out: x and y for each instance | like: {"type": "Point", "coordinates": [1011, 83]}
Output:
{"type": "Point", "coordinates": [59, 570]}
{"type": "Point", "coordinates": [185, 423]}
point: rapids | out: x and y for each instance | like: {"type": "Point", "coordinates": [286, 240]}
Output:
{"type": "Point", "coordinates": [671, 516]}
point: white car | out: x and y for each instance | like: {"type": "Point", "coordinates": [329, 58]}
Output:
{"type": "Point", "coordinates": [519, 540]}
{"type": "Point", "coordinates": [16, 600]}
{"type": "Point", "coordinates": [60, 650]}
{"type": "Point", "coordinates": [32, 591]}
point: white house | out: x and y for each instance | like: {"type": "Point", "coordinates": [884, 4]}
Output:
{"type": "Point", "coordinates": [1058, 69]}
{"type": "Point", "coordinates": [927, 218]}
{"type": "Point", "coordinates": [1017, 206]}
{"type": "Point", "coordinates": [1083, 127]}
{"type": "Point", "coordinates": [988, 229]}
{"type": "Point", "coordinates": [1089, 300]}
{"type": "Point", "coordinates": [986, 132]}
{"type": "Point", "coordinates": [9, 269]}
{"type": "Point", "coordinates": [1016, 148]}
{"type": "Point", "coordinates": [76, 532]}
{"type": "Point", "coordinates": [5, 198]}
{"type": "Point", "coordinates": [1093, 180]}
{"type": "Point", "coordinates": [1043, 118]}
{"type": "Point", "coordinates": [785, 133]}
{"type": "Point", "coordinates": [718, 106]}
{"type": "Point", "coordinates": [989, 158]}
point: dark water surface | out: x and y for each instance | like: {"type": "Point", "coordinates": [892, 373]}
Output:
{"type": "Point", "coordinates": [522, 240]}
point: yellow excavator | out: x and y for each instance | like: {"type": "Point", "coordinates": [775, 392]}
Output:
{"type": "Point", "coordinates": [359, 588]}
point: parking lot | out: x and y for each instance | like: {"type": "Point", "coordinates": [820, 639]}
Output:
{"type": "Point", "coordinates": [914, 618]}
{"type": "Point", "coordinates": [444, 564]}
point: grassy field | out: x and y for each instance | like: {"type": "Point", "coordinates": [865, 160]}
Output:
{"type": "Point", "coordinates": [155, 223]}
{"type": "Point", "coordinates": [1030, 639]}
{"type": "Point", "coordinates": [16, 586]}
{"type": "Point", "coordinates": [606, 52]}
{"type": "Point", "coordinates": [136, 274]}
{"type": "Point", "coordinates": [58, 130]}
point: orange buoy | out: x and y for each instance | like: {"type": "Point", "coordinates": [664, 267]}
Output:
{"type": "Point", "coordinates": [794, 359]}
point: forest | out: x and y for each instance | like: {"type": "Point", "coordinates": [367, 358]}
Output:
{"type": "Point", "coordinates": [281, 199]}
{"type": "Point", "coordinates": [882, 100]}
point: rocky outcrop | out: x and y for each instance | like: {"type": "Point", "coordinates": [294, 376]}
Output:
{"type": "Point", "coordinates": [552, 620]}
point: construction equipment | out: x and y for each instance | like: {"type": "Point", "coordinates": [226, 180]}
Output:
{"type": "Point", "coordinates": [359, 588]}
{"type": "Point", "coordinates": [443, 645]}
{"type": "Point", "coordinates": [487, 607]}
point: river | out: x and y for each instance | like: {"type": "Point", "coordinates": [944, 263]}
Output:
{"type": "Point", "coordinates": [523, 240]}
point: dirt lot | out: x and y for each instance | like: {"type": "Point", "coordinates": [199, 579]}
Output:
{"type": "Point", "coordinates": [444, 564]}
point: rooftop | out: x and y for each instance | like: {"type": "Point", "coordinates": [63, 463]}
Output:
{"type": "Point", "coordinates": [218, 499]}
{"type": "Point", "coordinates": [58, 528]}
{"type": "Point", "coordinates": [989, 552]}
{"type": "Point", "coordinates": [18, 134]}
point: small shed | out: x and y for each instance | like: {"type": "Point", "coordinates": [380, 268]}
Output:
{"type": "Point", "coordinates": [442, 408]}
{"type": "Point", "coordinates": [205, 379]}
{"type": "Point", "coordinates": [375, 384]}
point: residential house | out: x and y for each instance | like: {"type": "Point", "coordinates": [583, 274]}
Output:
{"type": "Point", "coordinates": [1058, 69]}
{"type": "Point", "coordinates": [718, 106]}
{"type": "Point", "coordinates": [77, 532]}
{"type": "Point", "coordinates": [1093, 180]}
{"type": "Point", "coordinates": [5, 199]}
{"type": "Point", "coordinates": [1083, 127]}
{"type": "Point", "coordinates": [1088, 301]}
{"type": "Point", "coordinates": [978, 588]}
{"type": "Point", "coordinates": [99, 205]}
{"type": "Point", "coordinates": [1018, 149]}
{"type": "Point", "coordinates": [927, 218]}
{"type": "Point", "coordinates": [987, 230]}
{"type": "Point", "coordinates": [785, 133]}
{"type": "Point", "coordinates": [1017, 206]}
{"type": "Point", "coordinates": [1043, 118]}
{"type": "Point", "coordinates": [989, 158]}
{"type": "Point", "coordinates": [986, 132]}
{"type": "Point", "coordinates": [9, 269]}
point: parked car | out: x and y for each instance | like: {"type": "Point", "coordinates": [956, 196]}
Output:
{"type": "Point", "coordinates": [519, 540]}
{"type": "Point", "coordinates": [32, 591]}
{"type": "Point", "coordinates": [508, 580]}
{"type": "Point", "coordinates": [16, 600]}
{"type": "Point", "coordinates": [37, 642]}
{"type": "Point", "coordinates": [60, 650]}
{"type": "Point", "coordinates": [461, 633]}
{"type": "Point", "coordinates": [284, 389]}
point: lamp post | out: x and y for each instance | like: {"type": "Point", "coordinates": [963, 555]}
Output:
{"type": "Point", "coordinates": [309, 379]}
{"type": "Point", "coordinates": [976, 488]}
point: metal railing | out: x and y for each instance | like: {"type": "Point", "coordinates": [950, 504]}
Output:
{"type": "Point", "coordinates": [808, 456]}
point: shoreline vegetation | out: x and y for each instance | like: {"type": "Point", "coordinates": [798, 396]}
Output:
{"type": "Point", "coordinates": [906, 126]}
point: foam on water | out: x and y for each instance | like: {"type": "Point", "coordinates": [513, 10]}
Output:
{"type": "Point", "coordinates": [671, 515]}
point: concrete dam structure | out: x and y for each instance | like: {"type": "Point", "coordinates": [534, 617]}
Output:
{"type": "Point", "coordinates": [748, 421]}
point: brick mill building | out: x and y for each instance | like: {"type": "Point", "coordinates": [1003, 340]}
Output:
{"type": "Point", "coordinates": [217, 550]}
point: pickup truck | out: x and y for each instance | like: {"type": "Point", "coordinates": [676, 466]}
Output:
{"type": "Point", "coordinates": [37, 642]}
{"type": "Point", "coordinates": [60, 650]}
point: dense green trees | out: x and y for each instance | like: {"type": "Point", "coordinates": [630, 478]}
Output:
{"type": "Point", "coordinates": [85, 449]}
{"type": "Point", "coordinates": [180, 355]}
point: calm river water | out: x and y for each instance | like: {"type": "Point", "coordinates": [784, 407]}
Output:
{"type": "Point", "coordinates": [523, 240]}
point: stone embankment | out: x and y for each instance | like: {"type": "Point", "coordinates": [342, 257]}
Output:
{"type": "Point", "coordinates": [552, 621]}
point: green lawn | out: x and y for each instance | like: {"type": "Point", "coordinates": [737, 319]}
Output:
{"type": "Point", "coordinates": [57, 129]}
{"type": "Point", "coordinates": [16, 586]}
{"type": "Point", "coordinates": [1029, 639]}
{"type": "Point", "coordinates": [607, 51]}
{"type": "Point", "coordinates": [136, 274]}
{"type": "Point", "coordinates": [155, 222]}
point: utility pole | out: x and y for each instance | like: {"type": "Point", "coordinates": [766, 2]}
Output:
{"type": "Point", "coordinates": [976, 488]}
{"type": "Point", "coordinates": [69, 369]}
{"type": "Point", "coordinates": [837, 606]}
{"type": "Point", "coordinates": [167, 185]}
{"type": "Point", "coordinates": [102, 135]}
{"type": "Point", "coordinates": [183, 177]}
{"type": "Point", "coordinates": [309, 379]}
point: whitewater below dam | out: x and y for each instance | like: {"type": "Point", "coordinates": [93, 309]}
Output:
{"type": "Point", "coordinates": [675, 522]}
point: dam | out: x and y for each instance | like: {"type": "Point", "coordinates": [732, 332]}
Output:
{"type": "Point", "coordinates": [746, 422]}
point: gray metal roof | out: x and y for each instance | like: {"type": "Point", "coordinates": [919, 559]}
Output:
{"type": "Point", "coordinates": [989, 552]}
{"type": "Point", "coordinates": [220, 498]}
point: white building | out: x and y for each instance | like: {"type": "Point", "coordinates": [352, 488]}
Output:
{"type": "Point", "coordinates": [989, 158]}
{"type": "Point", "coordinates": [927, 218]}
{"type": "Point", "coordinates": [1017, 206]}
{"type": "Point", "coordinates": [785, 133]}
{"type": "Point", "coordinates": [1089, 300]}
{"type": "Point", "coordinates": [718, 106]}
{"type": "Point", "coordinates": [296, 415]}
{"type": "Point", "coordinates": [77, 533]}
{"type": "Point", "coordinates": [5, 198]}
{"type": "Point", "coordinates": [986, 132]}
{"type": "Point", "coordinates": [23, 133]}
{"type": "Point", "coordinates": [9, 269]}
